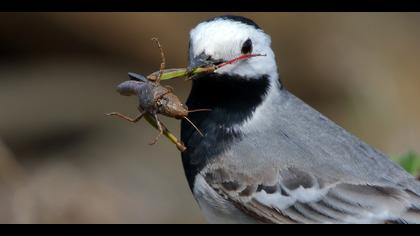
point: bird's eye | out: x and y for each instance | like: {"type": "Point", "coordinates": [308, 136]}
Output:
{"type": "Point", "coordinates": [247, 47]}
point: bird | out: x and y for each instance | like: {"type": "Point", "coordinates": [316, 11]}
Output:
{"type": "Point", "coordinates": [266, 156]}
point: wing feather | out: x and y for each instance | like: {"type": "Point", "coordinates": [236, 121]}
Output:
{"type": "Point", "coordinates": [312, 202]}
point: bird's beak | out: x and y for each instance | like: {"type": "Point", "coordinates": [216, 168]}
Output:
{"type": "Point", "coordinates": [202, 60]}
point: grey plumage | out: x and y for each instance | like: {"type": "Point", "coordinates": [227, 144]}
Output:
{"type": "Point", "coordinates": [357, 183]}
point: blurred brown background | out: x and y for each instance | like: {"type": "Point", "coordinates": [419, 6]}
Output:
{"type": "Point", "coordinates": [63, 161]}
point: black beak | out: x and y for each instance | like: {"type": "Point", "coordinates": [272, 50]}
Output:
{"type": "Point", "coordinates": [202, 60]}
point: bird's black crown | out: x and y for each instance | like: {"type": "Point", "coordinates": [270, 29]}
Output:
{"type": "Point", "coordinates": [241, 19]}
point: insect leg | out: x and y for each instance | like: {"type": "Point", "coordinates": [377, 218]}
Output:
{"type": "Point", "coordinates": [163, 63]}
{"type": "Point", "coordinates": [159, 125]}
{"type": "Point", "coordinates": [124, 117]}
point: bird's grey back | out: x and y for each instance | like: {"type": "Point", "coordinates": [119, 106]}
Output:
{"type": "Point", "coordinates": [298, 135]}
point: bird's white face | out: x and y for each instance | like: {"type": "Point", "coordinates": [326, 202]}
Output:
{"type": "Point", "coordinates": [224, 39]}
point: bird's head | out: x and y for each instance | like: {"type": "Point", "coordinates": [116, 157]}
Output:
{"type": "Point", "coordinates": [226, 37]}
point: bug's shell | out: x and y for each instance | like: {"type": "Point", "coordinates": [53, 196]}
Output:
{"type": "Point", "coordinates": [171, 106]}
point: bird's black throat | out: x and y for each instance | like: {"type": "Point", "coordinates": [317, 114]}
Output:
{"type": "Point", "coordinates": [232, 100]}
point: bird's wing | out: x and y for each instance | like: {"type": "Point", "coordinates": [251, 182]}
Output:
{"type": "Point", "coordinates": [299, 197]}
{"type": "Point", "coordinates": [293, 163]}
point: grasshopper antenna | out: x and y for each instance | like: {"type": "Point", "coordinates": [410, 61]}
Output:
{"type": "Point", "coordinates": [196, 128]}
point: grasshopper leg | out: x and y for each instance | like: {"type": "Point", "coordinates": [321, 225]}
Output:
{"type": "Point", "coordinates": [124, 117]}
{"type": "Point", "coordinates": [159, 125]}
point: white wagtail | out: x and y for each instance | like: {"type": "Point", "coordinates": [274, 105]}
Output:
{"type": "Point", "coordinates": [267, 157]}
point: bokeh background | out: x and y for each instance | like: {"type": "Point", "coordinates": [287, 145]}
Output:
{"type": "Point", "coordinates": [63, 161]}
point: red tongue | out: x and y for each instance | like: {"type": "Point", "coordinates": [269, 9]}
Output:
{"type": "Point", "coordinates": [241, 57]}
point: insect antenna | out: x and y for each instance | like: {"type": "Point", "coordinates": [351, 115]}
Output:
{"type": "Point", "coordinates": [163, 63]}
{"type": "Point", "coordinates": [196, 128]}
{"type": "Point", "coordinates": [198, 110]}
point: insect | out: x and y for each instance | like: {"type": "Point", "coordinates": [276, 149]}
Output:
{"type": "Point", "coordinates": [154, 99]}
